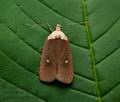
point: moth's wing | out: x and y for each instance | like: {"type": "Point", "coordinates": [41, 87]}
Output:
{"type": "Point", "coordinates": [65, 65]}
{"type": "Point", "coordinates": [47, 72]}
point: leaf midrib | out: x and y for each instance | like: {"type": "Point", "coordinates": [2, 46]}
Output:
{"type": "Point", "coordinates": [91, 51]}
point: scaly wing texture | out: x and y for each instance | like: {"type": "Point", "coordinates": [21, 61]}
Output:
{"type": "Point", "coordinates": [93, 27]}
{"type": "Point", "coordinates": [65, 64]}
{"type": "Point", "coordinates": [47, 70]}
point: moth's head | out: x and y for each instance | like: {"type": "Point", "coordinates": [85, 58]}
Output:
{"type": "Point", "coordinates": [58, 27]}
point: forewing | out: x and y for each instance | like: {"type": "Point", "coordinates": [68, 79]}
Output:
{"type": "Point", "coordinates": [65, 65]}
{"type": "Point", "coordinates": [47, 72]}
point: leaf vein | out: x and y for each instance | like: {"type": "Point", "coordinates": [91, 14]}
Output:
{"type": "Point", "coordinates": [105, 32]}
{"type": "Point", "coordinates": [24, 89]}
{"type": "Point", "coordinates": [91, 51]}
{"type": "Point", "coordinates": [22, 39]}
{"type": "Point", "coordinates": [112, 52]}
{"type": "Point", "coordinates": [78, 91]}
{"type": "Point", "coordinates": [81, 76]}
{"type": "Point", "coordinates": [58, 13]}
{"type": "Point", "coordinates": [111, 89]}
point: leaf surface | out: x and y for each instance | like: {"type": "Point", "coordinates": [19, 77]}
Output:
{"type": "Point", "coordinates": [93, 28]}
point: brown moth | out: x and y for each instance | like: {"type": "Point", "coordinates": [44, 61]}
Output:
{"type": "Point", "coordinates": [56, 61]}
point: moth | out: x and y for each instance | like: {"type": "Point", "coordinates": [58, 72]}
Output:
{"type": "Point", "coordinates": [56, 60]}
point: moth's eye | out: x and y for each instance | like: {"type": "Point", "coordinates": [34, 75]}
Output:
{"type": "Point", "coordinates": [66, 61]}
{"type": "Point", "coordinates": [47, 60]}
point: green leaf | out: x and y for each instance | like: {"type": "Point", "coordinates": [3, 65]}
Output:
{"type": "Point", "coordinates": [93, 28]}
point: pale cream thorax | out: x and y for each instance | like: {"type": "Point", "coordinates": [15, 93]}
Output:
{"type": "Point", "coordinates": [57, 34]}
